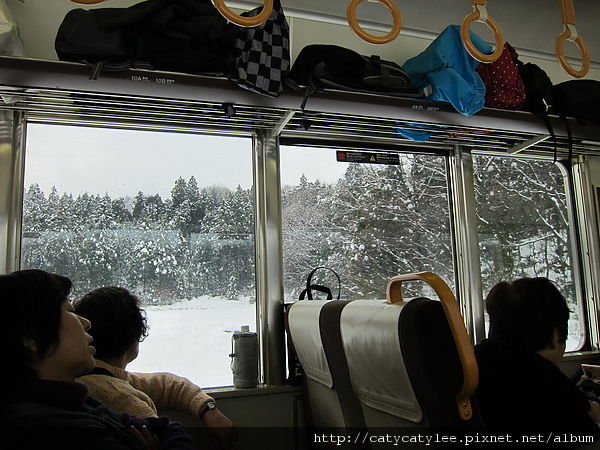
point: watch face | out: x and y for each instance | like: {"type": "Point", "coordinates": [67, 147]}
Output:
{"type": "Point", "coordinates": [209, 406]}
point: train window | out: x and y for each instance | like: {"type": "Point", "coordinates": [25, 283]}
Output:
{"type": "Point", "coordinates": [167, 215]}
{"type": "Point", "coordinates": [523, 227]}
{"type": "Point", "coordinates": [368, 222]}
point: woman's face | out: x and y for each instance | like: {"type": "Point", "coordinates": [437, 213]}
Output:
{"type": "Point", "coordinates": [73, 356]}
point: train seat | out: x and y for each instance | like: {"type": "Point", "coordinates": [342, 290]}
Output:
{"type": "Point", "coordinates": [407, 363]}
{"type": "Point", "coordinates": [314, 330]}
{"type": "Point", "coordinates": [404, 365]}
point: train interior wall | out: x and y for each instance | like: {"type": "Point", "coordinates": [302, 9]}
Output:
{"type": "Point", "coordinates": [530, 28]}
{"type": "Point", "coordinates": [281, 407]}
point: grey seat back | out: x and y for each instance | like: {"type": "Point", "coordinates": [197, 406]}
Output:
{"type": "Point", "coordinates": [314, 328]}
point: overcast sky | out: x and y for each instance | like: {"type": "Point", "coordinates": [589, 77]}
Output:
{"type": "Point", "coordinates": [123, 162]}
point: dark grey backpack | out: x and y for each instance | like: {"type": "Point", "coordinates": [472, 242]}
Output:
{"type": "Point", "coordinates": [319, 67]}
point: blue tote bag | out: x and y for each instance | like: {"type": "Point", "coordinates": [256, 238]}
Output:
{"type": "Point", "coordinates": [446, 72]}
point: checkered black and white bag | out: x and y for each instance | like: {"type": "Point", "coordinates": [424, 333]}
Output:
{"type": "Point", "coordinates": [260, 58]}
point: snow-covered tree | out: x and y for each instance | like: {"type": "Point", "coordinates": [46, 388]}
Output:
{"type": "Point", "coordinates": [35, 208]}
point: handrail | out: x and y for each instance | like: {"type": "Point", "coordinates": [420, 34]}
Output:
{"type": "Point", "coordinates": [480, 14]}
{"type": "Point", "coordinates": [88, 2]}
{"type": "Point", "coordinates": [457, 326]}
{"type": "Point", "coordinates": [570, 33]}
{"type": "Point", "coordinates": [394, 32]}
{"type": "Point", "coordinates": [242, 21]}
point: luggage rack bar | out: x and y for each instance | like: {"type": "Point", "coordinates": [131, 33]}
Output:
{"type": "Point", "coordinates": [62, 92]}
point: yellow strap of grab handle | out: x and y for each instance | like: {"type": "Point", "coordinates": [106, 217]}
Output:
{"type": "Point", "coordinates": [457, 326]}
{"type": "Point", "coordinates": [245, 21]}
{"type": "Point", "coordinates": [480, 14]}
{"type": "Point", "coordinates": [393, 34]}
{"type": "Point", "coordinates": [570, 33]}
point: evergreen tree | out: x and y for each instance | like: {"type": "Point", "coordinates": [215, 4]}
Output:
{"type": "Point", "coordinates": [83, 209]}
{"type": "Point", "coordinates": [179, 192]}
{"type": "Point", "coordinates": [139, 213]}
{"type": "Point", "coordinates": [181, 214]}
{"type": "Point", "coordinates": [197, 206]}
{"type": "Point", "coordinates": [64, 213]}
{"type": "Point", "coordinates": [104, 218]}
{"type": "Point", "coordinates": [120, 211]}
{"type": "Point", "coordinates": [155, 211]}
{"type": "Point", "coordinates": [234, 215]}
{"type": "Point", "coordinates": [53, 210]}
{"type": "Point", "coordinates": [35, 207]}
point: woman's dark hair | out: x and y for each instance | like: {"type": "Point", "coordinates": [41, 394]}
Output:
{"type": "Point", "coordinates": [31, 310]}
{"type": "Point", "coordinates": [117, 320]}
{"type": "Point", "coordinates": [526, 312]}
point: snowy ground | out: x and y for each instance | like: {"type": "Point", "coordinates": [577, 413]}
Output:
{"type": "Point", "coordinates": [193, 339]}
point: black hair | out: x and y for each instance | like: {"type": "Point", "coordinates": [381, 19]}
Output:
{"type": "Point", "coordinates": [526, 312]}
{"type": "Point", "coordinates": [117, 320]}
{"type": "Point", "coordinates": [31, 310]}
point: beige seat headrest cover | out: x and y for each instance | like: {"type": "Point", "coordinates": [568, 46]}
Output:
{"type": "Point", "coordinates": [371, 342]}
{"type": "Point", "coordinates": [303, 323]}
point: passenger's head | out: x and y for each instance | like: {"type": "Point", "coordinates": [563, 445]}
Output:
{"type": "Point", "coordinates": [118, 321]}
{"type": "Point", "coordinates": [40, 336]}
{"type": "Point", "coordinates": [530, 313]}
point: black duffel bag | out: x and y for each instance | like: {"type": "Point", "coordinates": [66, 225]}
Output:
{"type": "Point", "coordinates": [189, 36]}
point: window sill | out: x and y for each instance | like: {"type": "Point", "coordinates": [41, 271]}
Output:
{"type": "Point", "coordinates": [223, 392]}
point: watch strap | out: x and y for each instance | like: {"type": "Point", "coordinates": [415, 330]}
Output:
{"type": "Point", "coordinates": [209, 406]}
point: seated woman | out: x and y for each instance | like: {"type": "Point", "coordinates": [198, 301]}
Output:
{"type": "Point", "coordinates": [521, 388]}
{"type": "Point", "coordinates": [45, 347]}
{"type": "Point", "coordinates": [119, 325]}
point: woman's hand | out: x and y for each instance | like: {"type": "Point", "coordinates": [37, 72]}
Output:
{"type": "Point", "coordinates": [146, 437]}
{"type": "Point", "coordinates": [594, 411]}
{"type": "Point", "coordinates": [221, 429]}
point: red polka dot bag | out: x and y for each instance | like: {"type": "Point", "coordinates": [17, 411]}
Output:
{"type": "Point", "coordinates": [503, 84]}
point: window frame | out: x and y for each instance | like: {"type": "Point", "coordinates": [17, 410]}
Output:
{"type": "Point", "coordinates": [200, 148]}
{"type": "Point", "coordinates": [268, 225]}
{"type": "Point", "coordinates": [574, 231]}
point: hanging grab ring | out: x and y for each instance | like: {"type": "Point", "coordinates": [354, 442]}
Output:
{"type": "Point", "coordinates": [245, 21]}
{"type": "Point", "coordinates": [570, 33]}
{"type": "Point", "coordinates": [393, 34]}
{"type": "Point", "coordinates": [480, 14]}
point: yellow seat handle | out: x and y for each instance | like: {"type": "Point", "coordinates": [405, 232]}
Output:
{"type": "Point", "coordinates": [457, 326]}
{"type": "Point", "coordinates": [394, 32]}
{"type": "Point", "coordinates": [480, 14]}
{"type": "Point", "coordinates": [242, 21]}
{"type": "Point", "coordinates": [570, 33]}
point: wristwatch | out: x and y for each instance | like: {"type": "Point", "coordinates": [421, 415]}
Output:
{"type": "Point", "coordinates": [209, 406]}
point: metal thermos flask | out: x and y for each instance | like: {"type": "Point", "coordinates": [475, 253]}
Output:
{"type": "Point", "coordinates": [244, 362]}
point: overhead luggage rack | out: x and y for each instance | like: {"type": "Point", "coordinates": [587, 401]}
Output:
{"type": "Point", "coordinates": [53, 91]}
{"type": "Point", "coordinates": [87, 108]}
